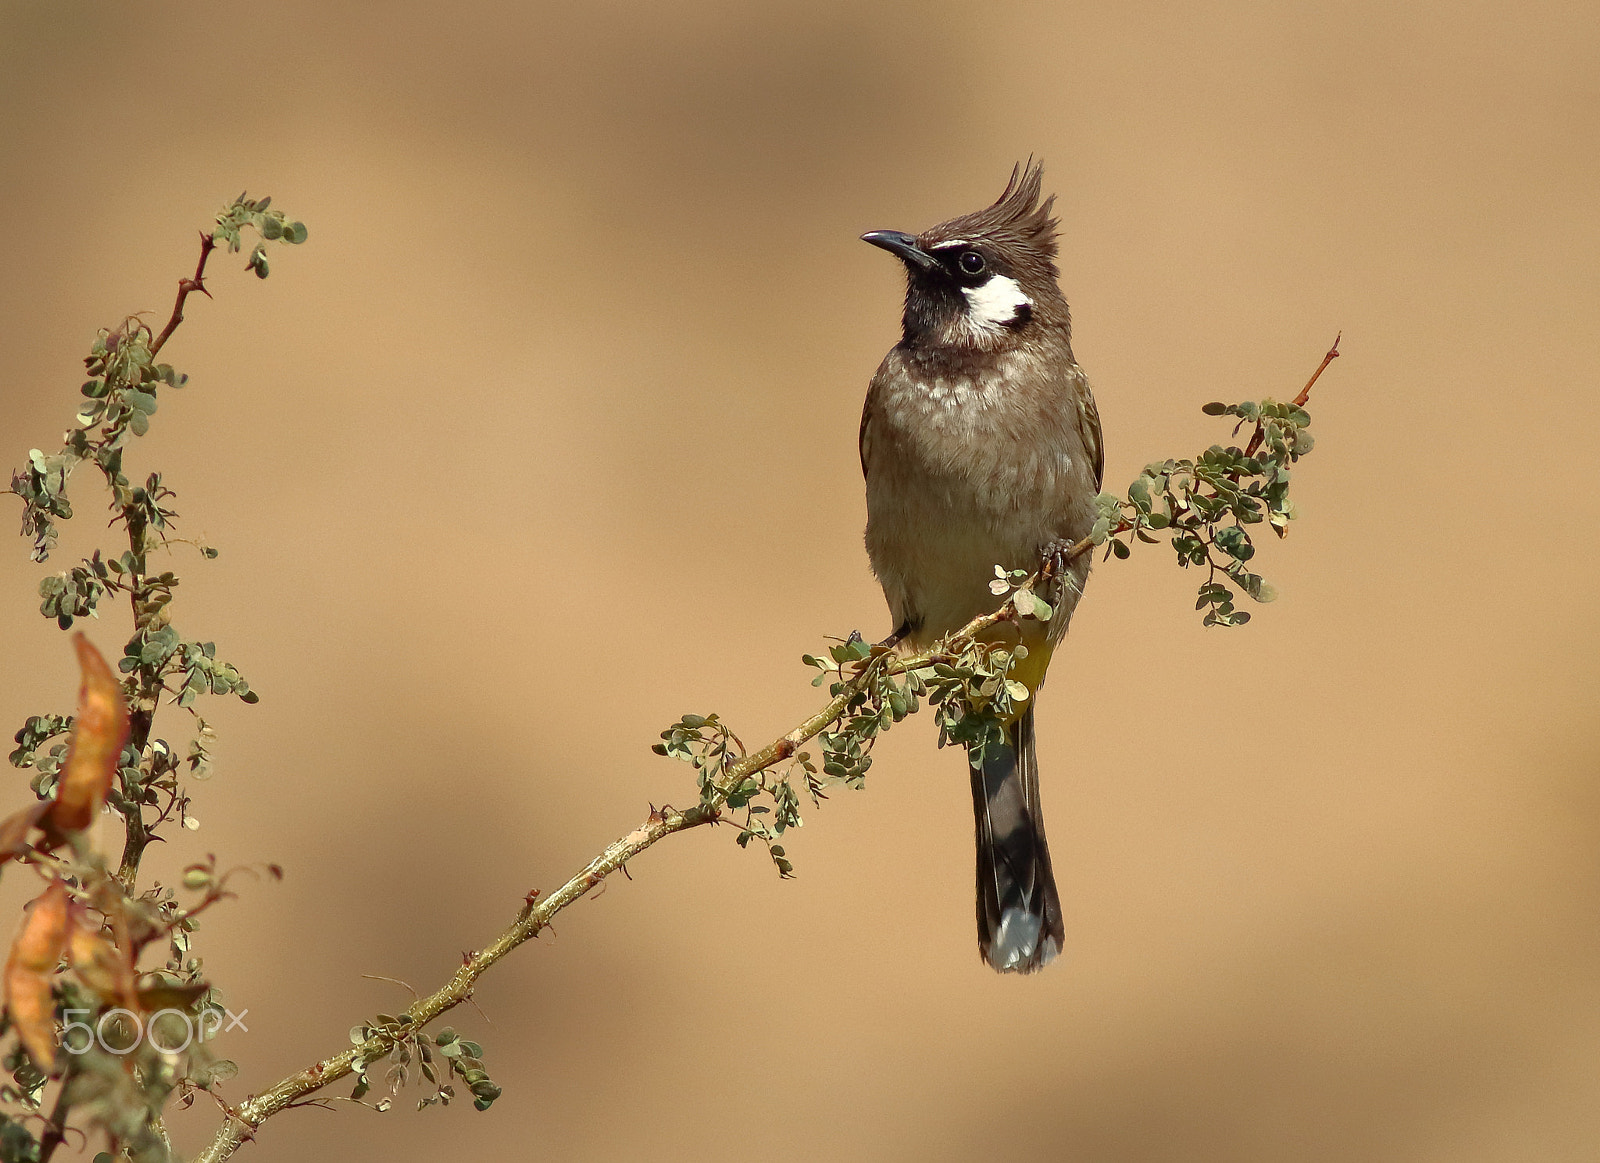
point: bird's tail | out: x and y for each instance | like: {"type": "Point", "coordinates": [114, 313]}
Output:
{"type": "Point", "coordinates": [1019, 914]}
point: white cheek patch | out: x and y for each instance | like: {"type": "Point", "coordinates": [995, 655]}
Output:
{"type": "Point", "coordinates": [997, 302]}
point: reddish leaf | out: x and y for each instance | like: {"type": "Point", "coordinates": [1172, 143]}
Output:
{"type": "Point", "coordinates": [153, 998]}
{"type": "Point", "coordinates": [101, 967]}
{"type": "Point", "coordinates": [14, 829]}
{"type": "Point", "coordinates": [98, 737]}
{"type": "Point", "coordinates": [29, 970]}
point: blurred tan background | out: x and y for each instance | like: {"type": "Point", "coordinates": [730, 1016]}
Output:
{"type": "Point", "coordinates": [548, 436]}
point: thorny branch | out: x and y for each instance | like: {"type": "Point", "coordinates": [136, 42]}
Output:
{"type": "Point", "coordinates": [537, 912]}
{"type": "Point", "coordinates": [197, 282]}
{"type": "Point", "coordinates": [55, 1128]}
{"type": "Point", "coordinates": [144, 708]}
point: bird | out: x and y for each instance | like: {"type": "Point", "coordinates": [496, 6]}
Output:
{"type": "Point", "coordinates": [980, 444]}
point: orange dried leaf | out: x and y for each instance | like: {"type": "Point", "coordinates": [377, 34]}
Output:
{"type": "Point", "coordinates": [153, 998]}
{"type": "Point", "coordinates": [98, 736]}
{"type": "Point", "coordinates": [14, 829]}
{"type": "Point", "coordinates": [29, 970]}
{"type": "Point", "coordinates": [101, 967]}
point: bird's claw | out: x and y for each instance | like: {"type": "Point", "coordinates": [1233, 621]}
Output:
{"type": "Point", "coordinates": [1055, 559]}
{"type": "Point", "coordinates": [854, 670]}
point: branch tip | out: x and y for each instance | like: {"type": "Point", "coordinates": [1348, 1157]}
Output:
{"type": "Point", "coordinates": [1333, 354]}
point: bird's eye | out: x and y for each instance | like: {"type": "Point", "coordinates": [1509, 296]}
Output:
{"type": "Point", "coordinates": [971, 262]}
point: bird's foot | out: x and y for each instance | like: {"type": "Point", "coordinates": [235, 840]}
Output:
{"type": "Point", "coordinates": [854, 670]}
{"type": "Point", "coordinates": [1056, 559]}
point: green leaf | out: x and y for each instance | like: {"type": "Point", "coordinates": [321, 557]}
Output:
{"type": "Point", "coordinates": [1235, 542]}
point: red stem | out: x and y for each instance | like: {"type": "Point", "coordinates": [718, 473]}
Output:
{"type": "Point", "coordinates": [197, 282]}
{"type": "Point", "coordinates": [1300, 400]}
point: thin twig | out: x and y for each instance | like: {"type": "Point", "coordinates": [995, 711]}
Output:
{"type": "Point", "coordinates": [393, 981]}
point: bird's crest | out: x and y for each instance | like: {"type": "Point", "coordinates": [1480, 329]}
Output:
{"type": "Point", "coordinates": [1017, 217]}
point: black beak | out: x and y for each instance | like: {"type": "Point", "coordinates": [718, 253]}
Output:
{"type": "Point", "coordinates": [904, 246]}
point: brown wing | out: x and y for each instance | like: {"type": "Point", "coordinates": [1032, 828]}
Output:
{"type": "Point", "coordinates": [1089, 427]}
{"type": "Point", "coordinates": [864, 437]}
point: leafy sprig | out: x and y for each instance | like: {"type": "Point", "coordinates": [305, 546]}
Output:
{"type": "Point", "coordinates": [444, 1058]}
{"type": "Point", "coordinates": [124, 392]}
{"type": "Point", "coordinates": [1205, 505]}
